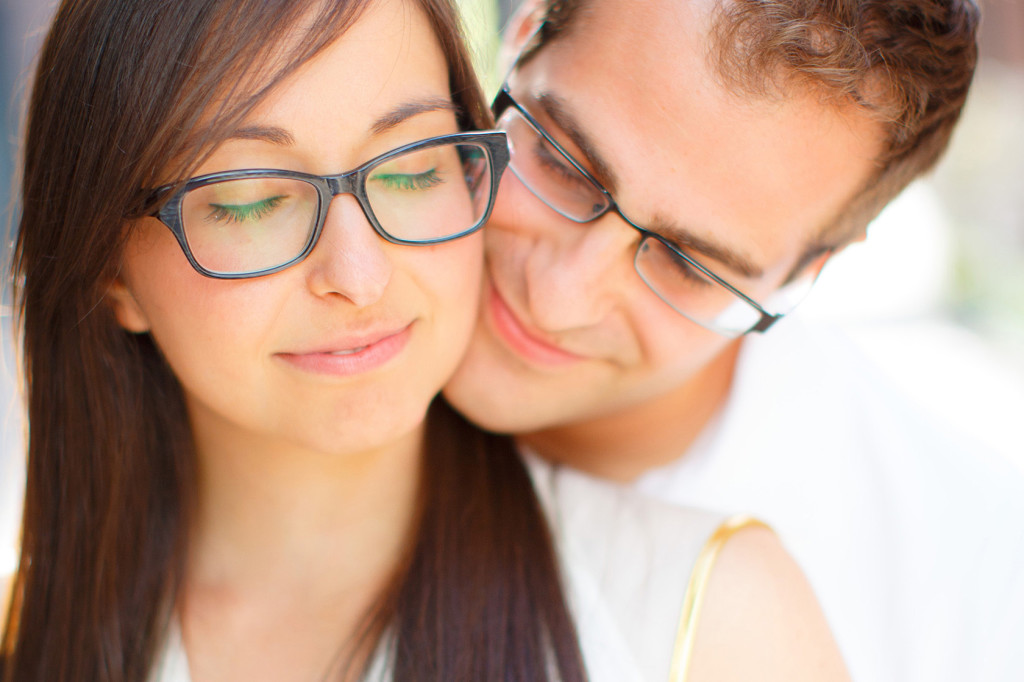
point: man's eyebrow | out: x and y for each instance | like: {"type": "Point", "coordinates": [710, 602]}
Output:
{"type": "Point", "coordinates": [559, 112]}
{"type": "Point", "coordinates": [691, 243]}
{"type": "Point", "coordinates": [409, 109]}
{"type": "Point", "coordinates": [271, 134]}
{"type": "Point", "coordinates": [556, 108]}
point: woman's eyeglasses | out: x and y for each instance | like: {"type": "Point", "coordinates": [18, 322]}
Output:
{"type": "Point", "coordinates": [248, 223]}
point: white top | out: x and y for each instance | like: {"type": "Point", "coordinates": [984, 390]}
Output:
{"type": "Point", "coordinates": [912, 539]}
{"type": "Point", "coordinates": [626, 561]}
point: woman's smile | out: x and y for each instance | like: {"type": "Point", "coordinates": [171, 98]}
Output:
{"type": "Point", "coordinates": [353, 355]}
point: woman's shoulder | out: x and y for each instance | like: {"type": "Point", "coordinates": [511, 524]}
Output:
{"type": "Point", "coordinates": [757, 601]}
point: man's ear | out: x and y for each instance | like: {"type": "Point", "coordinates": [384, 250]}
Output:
{"type": "Point", "coordinates": [813, 268]}
{"type": "Point", "coordinates": [126, 309]}
{"type": "Point", "coordinates": [520, 28]}
{"type": "Point", "coordinates": [856, 239]}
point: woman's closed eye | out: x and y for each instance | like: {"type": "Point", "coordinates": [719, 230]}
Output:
{"type": "Point", "coordinates": [243, 213]}
{"type": "Point", "coordinates": [409, 181]}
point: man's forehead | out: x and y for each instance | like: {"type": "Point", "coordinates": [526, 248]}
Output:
{"type": "Point", "coordinates": [650, 26]}
{"type": "Point", "coordinates": [645, 54]}
{"type": "Point", "coordinates": [638, 84]}
{"type": "Point", "coordinates": [614, 82]}
{"type": "Point", "coordinates": [651, 53]}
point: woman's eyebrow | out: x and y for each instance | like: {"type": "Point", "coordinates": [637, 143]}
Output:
{"type": "Point", "coordinates": [271, 134]}
{"type": "Point", "coordinates": [280, 136]}
{"type": "Point", "coordinates": [409, 109]}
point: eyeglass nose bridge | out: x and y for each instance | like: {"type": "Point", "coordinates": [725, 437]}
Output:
{"type": "Point", "coordinates": [346, 183]}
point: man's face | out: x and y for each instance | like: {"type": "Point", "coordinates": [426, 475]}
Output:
{"type": "Point", "coordinates": [569, 334]}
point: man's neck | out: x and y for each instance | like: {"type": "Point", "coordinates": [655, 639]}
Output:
{"type": "Point", "coordinates": [623, 445]}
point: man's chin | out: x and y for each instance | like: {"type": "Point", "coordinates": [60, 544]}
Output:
{"type": "Point", "coordinates": [483, 413]}
{"type": "Point", "coordinates": [492, 411]}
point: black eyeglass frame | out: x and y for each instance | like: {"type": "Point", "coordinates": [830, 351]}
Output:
{"type": "Point", "coordinates": [504, 99]}
{"type": "Point", "coordinates": [353, 182]}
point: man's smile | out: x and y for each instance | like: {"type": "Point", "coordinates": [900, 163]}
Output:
{"type": "Point", "coordinates": [523, 341]}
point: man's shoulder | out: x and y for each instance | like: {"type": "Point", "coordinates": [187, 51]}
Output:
{"type": "Point", "coordinates": [814, 363]}
{"type": "Point", "coordinates": [605, 513]}
{"type": "Point", "coordinates": [841, 438]}
{"type": "Point", "coordinates": [811, 423]}
{"type": "Point", "coordinates": [814, 378]}
{"type": "Point", "coordinates": [874, 496]}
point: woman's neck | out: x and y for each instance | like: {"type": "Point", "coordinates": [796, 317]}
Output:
{"type": "Point", "coordinates": [288, 514]}
{"type": "Point", "coordinates": [292, 543]}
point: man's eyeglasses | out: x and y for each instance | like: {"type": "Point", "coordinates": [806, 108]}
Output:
{"type": "Point", "coordinates": [677, 277]}
{"type": "Point", "coordinates": [248, 223]}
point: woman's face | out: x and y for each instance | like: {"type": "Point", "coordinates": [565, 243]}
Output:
{"type": "Point", "coordinates": [343, 351]}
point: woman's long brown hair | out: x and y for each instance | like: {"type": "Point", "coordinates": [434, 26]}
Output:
{"type": "Point", "coordinates": [118, 95]}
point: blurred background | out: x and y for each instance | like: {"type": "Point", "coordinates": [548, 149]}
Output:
{"type": "Point", "coordinates": [935, 295]}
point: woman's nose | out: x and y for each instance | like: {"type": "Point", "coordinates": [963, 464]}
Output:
{"type": "Point", "coordinates": [350, 258]}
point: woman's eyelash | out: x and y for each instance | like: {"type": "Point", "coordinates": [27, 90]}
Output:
{"type": "Point", "coordinates": [243, 212]}
{"type": "Point", "coordinates": [430, 178]}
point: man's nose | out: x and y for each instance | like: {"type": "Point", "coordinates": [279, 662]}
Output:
{"type": "Point", "coordinates": [570, 274]}
{"type": "Point", "coordinates": [576, 274]}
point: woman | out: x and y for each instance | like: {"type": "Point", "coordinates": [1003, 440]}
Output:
{"type": "Point", "coordinates": [246, 265]}
{"type": "Point", "coordinates": [243, 456]}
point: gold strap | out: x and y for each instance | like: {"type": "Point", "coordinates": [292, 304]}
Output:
{"type": "Point", "coordinates": [6, 601]}
{"type": "Point", "coordinates": [693, 600]}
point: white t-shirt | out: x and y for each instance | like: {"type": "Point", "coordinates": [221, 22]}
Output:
{"type": "Point", "coordinates": [912, 539]}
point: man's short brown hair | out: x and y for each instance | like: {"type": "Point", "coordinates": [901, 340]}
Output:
{"type": "Point", "coordinates": [909, 63]}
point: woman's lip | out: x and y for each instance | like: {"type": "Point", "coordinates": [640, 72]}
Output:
{"type": "Point", "coordinates": [353, 356]}
{"type": "Point", "coordinates": [519, 339]}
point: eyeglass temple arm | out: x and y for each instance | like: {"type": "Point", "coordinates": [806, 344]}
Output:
{"type": "Point", "coordinates": [766, 322]}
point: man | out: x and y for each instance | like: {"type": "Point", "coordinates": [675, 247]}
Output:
{"type": "Point", "coordinates": [682, 170]}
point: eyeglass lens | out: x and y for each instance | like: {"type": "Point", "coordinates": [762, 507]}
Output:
{"type": "Point", "coordinates": [690, 292]}
{"type": "Point", "coordinates": [547, 173]}
{"type": "Point", "coordinates": [258, 223]}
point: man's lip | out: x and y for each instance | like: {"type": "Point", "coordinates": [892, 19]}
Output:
{"type": "Point", "coordinates": [352, 354]}
{"type": "Point", "coordinates": [520, 339]}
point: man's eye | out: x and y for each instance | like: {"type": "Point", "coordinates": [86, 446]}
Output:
{"type": "Point", "coordinates": [552, 161]}
{"type": "Point", "coordinates": [686, 270]}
